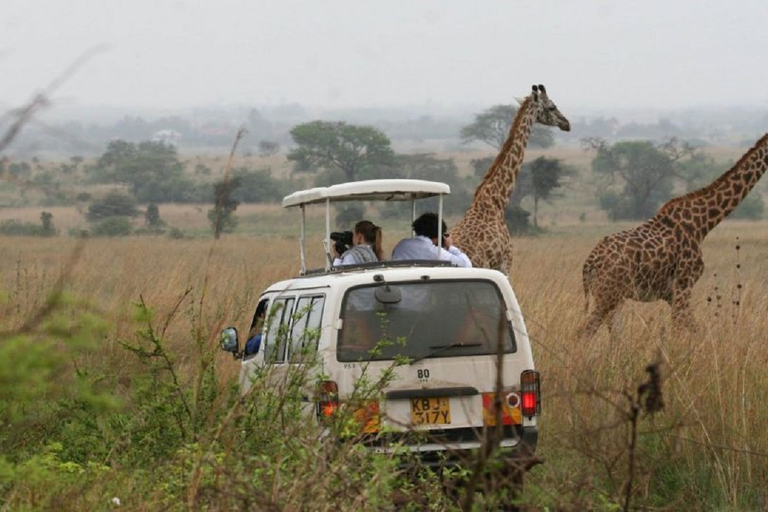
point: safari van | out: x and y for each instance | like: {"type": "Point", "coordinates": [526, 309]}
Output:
{"type": "Point", "coordinates": [438, 331]}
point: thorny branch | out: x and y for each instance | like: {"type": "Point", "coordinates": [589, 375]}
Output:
{"type": "Point", "coordinates": [649, 398]}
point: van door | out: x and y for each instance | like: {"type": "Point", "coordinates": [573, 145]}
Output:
{"type": "Point", "coordinates": [306, 328]}
{"type": "Point", "coordinates": [274, 337]}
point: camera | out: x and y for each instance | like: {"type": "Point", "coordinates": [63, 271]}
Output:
{"type": "Point", "coordinates": [342, 240]}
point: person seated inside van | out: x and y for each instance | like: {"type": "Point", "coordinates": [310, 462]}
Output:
{"type": "Point", "coordinates": [253, 344]}
{"type": "Point", "coordinates": [423, 245]}
{"type": "Point", "coordinates": [366, 246]}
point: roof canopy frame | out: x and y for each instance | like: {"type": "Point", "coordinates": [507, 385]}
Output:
{"type": "Point", "coordinates": [369, 190]}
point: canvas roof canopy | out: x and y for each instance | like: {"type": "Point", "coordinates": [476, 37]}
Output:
{"type": "Point", "coordinates": [368, 190]}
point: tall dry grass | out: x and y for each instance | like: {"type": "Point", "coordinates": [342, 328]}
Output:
{"type": "Point", "coordinates": [709, 443]}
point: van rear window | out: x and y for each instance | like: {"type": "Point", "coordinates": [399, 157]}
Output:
{"type": "Point", "coordinates": [424, 319]}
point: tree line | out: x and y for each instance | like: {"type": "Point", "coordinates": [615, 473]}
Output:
{"type": "Point", "coordinates": [632, 179]}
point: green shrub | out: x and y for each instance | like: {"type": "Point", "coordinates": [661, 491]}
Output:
{"type": "Point", "coordinates": [112, 205]}
{"type": "Point", "coordinates": [146, 230]}
{"type": "Point", "coordinates": [14, 227]}
{"type": "Point", "coordinates": [112, 226]}
{"type": "Point", "coordinates": [517, 220]}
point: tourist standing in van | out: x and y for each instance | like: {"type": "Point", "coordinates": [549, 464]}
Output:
{"type": "Point", "coordinates": [423, 245]}
{"type": "Point", "coordinates": [366, 245]}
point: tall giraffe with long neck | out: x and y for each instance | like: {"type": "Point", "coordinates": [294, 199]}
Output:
{"type": "Point", "coordinates": [482, 233]}
{"type": "Point", "coordinates": [661, 259]}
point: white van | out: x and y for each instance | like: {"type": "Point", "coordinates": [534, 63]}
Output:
{"type": "Point", "coordinates": [438, 332]}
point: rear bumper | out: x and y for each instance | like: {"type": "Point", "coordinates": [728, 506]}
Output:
{"type": "Point", "coordinates": [434, 452]}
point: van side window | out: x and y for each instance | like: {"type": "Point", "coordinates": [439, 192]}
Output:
{"type": "Point", "coordinates": [256, 331]}
{"type": "Point", "coordinates": [305, 332]}
{"type": "Point", "coordinates": [278, 323]}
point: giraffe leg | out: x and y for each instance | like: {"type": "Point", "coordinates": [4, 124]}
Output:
{"type": "Point", "coordinates": [682, 316]}
{"type": "Point", "coordinates": [604, 311]}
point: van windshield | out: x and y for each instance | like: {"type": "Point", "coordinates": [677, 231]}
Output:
{"type": "Point", "coordinates": [430, 319]}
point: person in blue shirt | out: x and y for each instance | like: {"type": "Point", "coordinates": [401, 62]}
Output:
{"type": "Point", "coordinates": [424, 245]}
{"type": "Point", "coordinates": [253, 344]}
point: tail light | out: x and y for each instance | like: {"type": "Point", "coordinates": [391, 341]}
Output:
{"type": "Point", "coordinates": [530, 392]}
{"type": "Point", "coordinates": [327, 399]}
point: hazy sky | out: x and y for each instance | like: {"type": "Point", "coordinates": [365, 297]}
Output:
{"type": "Point", "coordinates": [338, 53]}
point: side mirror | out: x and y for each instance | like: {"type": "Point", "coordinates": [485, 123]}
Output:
{"type": "Point", "coordinates": [228, 340]}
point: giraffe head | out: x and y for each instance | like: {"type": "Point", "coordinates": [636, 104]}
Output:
{"type": "Point", "coordinates": [545, 111]}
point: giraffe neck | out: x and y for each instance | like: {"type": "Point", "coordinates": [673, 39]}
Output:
{"type": "Point", "coordinates": [499, 180]}
{"type": "Point", "coordinates": [707, 207]}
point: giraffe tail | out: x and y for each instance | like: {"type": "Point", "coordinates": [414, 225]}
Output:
{"type": "Point", "coordinates": [586, 300]}
{"type": "Point", "coordinates": [587, 283]}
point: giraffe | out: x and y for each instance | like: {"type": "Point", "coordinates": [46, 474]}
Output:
{"type": "Point", "coordinates": [661, 259]}
{"type": "Point", "coordinates": [482, 233]}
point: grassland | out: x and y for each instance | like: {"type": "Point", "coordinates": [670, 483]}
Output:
{"type": "Point", "coordinates": [135, 338]}
{"type": "Point", "coordinates": [708, 448]}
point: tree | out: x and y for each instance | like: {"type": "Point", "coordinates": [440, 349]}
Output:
{"type": "Point", "coordinates": [222, 216]}
{"type": "Point", "coordinates": [257, 186]}
{"type": "Point", "coordinates": [546, 176]}
{"type": "Point", "coordinates": [151, 169]}
{"type": "Point", "coordinates": [114, 204]}
{"type": "Point", "coordinates": [538, 179]}
{"type": "Point", "coordinates": [428, 167]}
{"type": "Point", "coordinates": [481, 165]}
{"type": "Point", "coordinates": [152, 216]}
{"type": "Point", "coordinates": [46, 221]}
{"type": "Point", "coordinates": [492, 127]}
{"type": "Point", "coordinates": [700, 170]}
{"type": "Point", "coordinates": [517, 219]}
{"type": "Point", "coordinates": [338, 145]}
{"type": "Point", "coordinates": [268, 148]}
{"type": "Point", "coordinates": [646, 172]}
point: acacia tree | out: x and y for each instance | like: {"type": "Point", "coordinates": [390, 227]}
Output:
{"type": "Point", "coordinates": [540, 180]}
{"type": "Point", "coordinates": [151, 169]}
{"type": "Point", "coordinates": [645, 173]}
{"type": "Point", "coordinates": [492, 127]}
{"type": "Point", "coordinates": [546, 177]}
{"type": "Point", "coordinates": [338, 145]}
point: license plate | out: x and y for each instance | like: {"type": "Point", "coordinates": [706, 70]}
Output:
{"type": "Point", "coordinates": [431, 411]}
